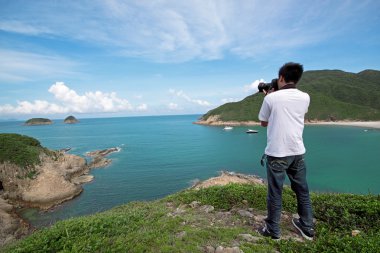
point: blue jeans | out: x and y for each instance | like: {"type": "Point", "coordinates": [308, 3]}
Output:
{"type": "Point", "coordinates": [295, 168]}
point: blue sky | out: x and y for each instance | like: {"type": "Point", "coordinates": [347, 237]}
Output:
{"type": "Point", "coordinates": [106, 58]}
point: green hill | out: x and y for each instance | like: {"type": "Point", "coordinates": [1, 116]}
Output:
{"type": "Point", "coordinates": [335, 95]}
{"type": "Point", "coordinates": [177, 224]}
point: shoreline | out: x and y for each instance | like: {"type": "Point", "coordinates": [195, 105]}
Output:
{"type": "Point", "coordinates": [364, 124]}
{"type": "Point", "coordinates": [59, 178]}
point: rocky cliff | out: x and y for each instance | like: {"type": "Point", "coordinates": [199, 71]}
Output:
{"type": "Point", "coordinates": [33, 176]}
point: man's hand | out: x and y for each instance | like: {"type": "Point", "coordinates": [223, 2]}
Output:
{"type": "Point", "coordinates": [269, 91]}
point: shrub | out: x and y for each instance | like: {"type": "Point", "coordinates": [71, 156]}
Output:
{"type": "Point", "coordinates": [19, 149]}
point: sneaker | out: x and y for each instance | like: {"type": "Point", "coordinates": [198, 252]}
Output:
{"type": "Point", "coordinates": [264, 232]}
{"type": "Point", "coordinates": [306, 233]}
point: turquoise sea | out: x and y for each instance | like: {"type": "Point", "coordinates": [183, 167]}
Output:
{"type": "Point", "coordinates": [161, 155]}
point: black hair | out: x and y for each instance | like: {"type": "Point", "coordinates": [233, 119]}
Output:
{"type": "Point", "coordinates": [292, 72]}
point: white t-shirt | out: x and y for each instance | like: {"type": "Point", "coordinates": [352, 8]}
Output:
{"type": "Point", "coordinates": [285, 110]}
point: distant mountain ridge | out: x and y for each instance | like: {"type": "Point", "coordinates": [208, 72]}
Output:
{"type": "Point", "coordinates": [335, 95]}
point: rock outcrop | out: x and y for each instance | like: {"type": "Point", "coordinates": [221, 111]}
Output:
{"type": "Point", "coordinates": [56, 179]}
{"type": "Point", "coordinates": [227, 178]}
{"type": "Point", "coordinates": [12, 227]}
{"type": "Point", "coordinates": [33, 176]}
{"type": "Point", "coordinates": [49, 184]}
{"type": "Point", "coordinates": [215, 120]}
{"type": "Point", "coordinates": [98, 157]}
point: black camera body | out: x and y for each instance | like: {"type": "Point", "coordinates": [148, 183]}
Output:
{"type": "Point", "coordinates": [268, 86]}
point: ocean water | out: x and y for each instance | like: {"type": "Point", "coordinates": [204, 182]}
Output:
{"type": "Point", "coordinates": [164, 154]}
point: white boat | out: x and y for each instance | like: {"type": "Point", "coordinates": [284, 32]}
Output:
{"type": "Point", "coordinates": [228, 128]}
{"type": "Point", "coordinates": [251, 131]}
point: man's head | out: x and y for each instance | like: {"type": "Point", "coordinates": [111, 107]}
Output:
{"type": "Point", "coordinates": [290, 72]}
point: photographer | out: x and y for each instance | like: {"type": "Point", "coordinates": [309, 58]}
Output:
{"type": "Point", "coordinates": [283, 112]}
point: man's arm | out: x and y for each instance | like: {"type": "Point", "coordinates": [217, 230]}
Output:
{"type": "Point", "coordinates": [264, 113]}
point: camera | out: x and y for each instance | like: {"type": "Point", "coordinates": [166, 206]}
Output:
{"type": "Point", "coordinates": [268, 86]}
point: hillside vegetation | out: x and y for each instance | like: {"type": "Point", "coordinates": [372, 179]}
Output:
{"type": "Point", "coordinates": [20, 150]}
{"type": "Point", "coordinates": [178, 224]}
{"type": "Point", "coordinates": [335, 95]}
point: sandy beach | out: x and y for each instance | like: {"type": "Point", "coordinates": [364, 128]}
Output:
{"type": "Point", "coordinates": [366, 124]}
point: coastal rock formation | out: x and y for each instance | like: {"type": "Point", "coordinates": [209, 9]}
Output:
{"type": "Point", "coordinates": [102, 152]}
{"type": "Point", "coordinates": [70, 120]}
{"type": "Point", "coordinates": [98, 157]}
{"type": "Point", "coordinates": [49, 184]}
{"type": "Point", "coordinates": [12, 227]}
{"type": "Point", "coordinates": [38, 121]}
{"type": "Point", "coordinates": [33, 176]}
{"type": "Point", "coordinates": [57, 178]}
{"type": "Point", "coordinates": [215, 120]}
{"type": "Point", "coordinates": [227, 178]}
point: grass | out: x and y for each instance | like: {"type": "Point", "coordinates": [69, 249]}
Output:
{"type": "Point", "coordinates": [156, 227]}
{"type": "Point", "coordinates": [24, 152]}
{"type": "Point", "coordinates": [20, 150]}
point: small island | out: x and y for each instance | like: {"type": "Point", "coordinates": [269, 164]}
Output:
{"type": "Point", "coordinates": [70, 120]}
{"type": "Point", "coordinates": [38, 121]}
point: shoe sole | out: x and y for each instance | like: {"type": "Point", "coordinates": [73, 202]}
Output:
{"type": "Point", "coordinates": [302, 233]}
{"type": "Point", "coordinates": [274, 239]}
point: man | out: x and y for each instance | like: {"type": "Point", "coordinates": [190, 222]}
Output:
{"type": "Point", "coordinates": [283, 112]}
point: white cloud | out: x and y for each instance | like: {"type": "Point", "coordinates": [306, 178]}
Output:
{"type": "Point", "coordinates": [252, 88]}
{"type": "Point", "coordinates": [89, 102]}
{"type": "Point", "coordinates": [229, 100]}
{"type": "Point", "coordinates": [23, 28]}
{"type": "Point", "coordinates": [173, 106]}
{"type": "Point", "coordinates": [23, 66]}
{"type": "Point", "coordinates": [185, 30]}
{"type": "Point", "coordinates": [142, 108]}
{"type": "Point", "coordinates": [35, 107]}
{"type": "Point", "coordinates": [69, 100]}
{"type": "Point", "coordinates": [184, 96]}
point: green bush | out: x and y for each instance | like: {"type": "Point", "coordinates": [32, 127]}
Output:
{"type": "Point", "coordinates": [19, 149]}
{"type": "Point", "coordinates": [345, 212]}
{"type": "Point", "coordinates": [226, 197]}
